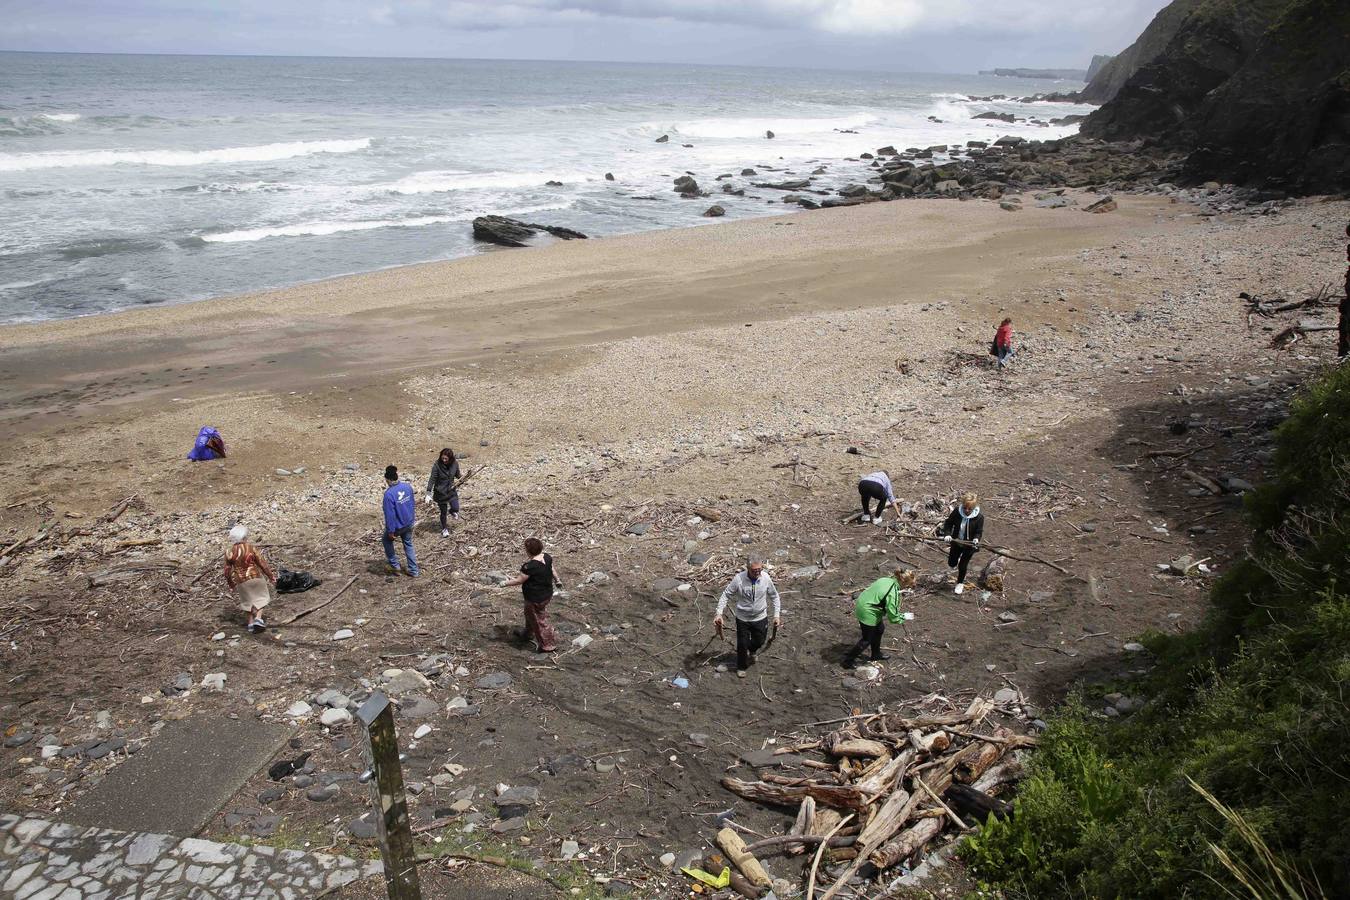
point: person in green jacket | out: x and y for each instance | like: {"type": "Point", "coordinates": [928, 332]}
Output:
{"type": "Point", "coordinates": [881, 601]}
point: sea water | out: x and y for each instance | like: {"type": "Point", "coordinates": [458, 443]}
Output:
{"type": "Point", "coordinates": [134, 180]}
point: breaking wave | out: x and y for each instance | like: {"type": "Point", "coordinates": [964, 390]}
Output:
{"type": "Point", "coordinates": [62, 159]}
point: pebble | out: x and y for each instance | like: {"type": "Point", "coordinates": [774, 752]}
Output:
{"type": "Point", "coordinates": [421, 732]}
{"type": "Point", "coordinates": [569, 849]}
{"type": "Point", "coordinates": [343, 634]}
{"type": "Point", "coordinates": [505, 826]}
{"type": "Point", "coordinates": [494, 681]}
{"type": "Point", "coordinates": [298, 709]}
{"type": "Point", "coordinates": [332, 717]}
{"type": "Point", "coordinates": [400, 680]}
{"type": "Point", "coordinates": [582, 641]}
{"type": "Point", "coordinates": [457, 703]}
{"type": "Point", "coordinates": [1134, 647]}
{"type": "Point", "coordinates": [214, 681]}
{"type": "Point", "coordinates": [322, 794]}
{"type": "Point", "coordinates": [668, 860]}
{"type": "Point", "coordinates": [363, 830]}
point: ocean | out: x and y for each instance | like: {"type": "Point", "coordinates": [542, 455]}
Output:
{"type": "Point", "coordinates": [137, 180]}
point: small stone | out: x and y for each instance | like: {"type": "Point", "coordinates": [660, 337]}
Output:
{"type": "Point", "coordinates": [298, 709]}
{"type": "Point", "coordinates": [668, 860]}
{"type": "Point", "coordinates": [454, 769]}
{"type": "Point", "coordinates": [343, 634]}
{"type": "Point", "coordinates": [604, 768]}
{"type": "Point", "coordinates": [505, 826]}
{"type": "Point", "coordinates": [214, 681]}
{"type": "Point", "coordinates": [596, 578]}
{"type": "Point", "coordinates": [494, 681]}
{"type": "Point", "coordinates": [569, 849]}
{"type": "Point", "coordinates": [421, 732]}
{"type": "Point", "coordinates": [322, 794]}
{"type": "Point", "coordinates": [271, 794]}
{"type": "Point", "coordinates": [637, 529]}
{"type": "Point", "coordinates": [524, 795]}
{"type": "Point", "coordinates": [1004, 696]}
{"type": "Point", "coordinates": [398, 681]}
{"type": "Point", "coordinates": [1007, 616]}
{"type": "Point", "coordinates": [582, 641]}
{"type": "Point", "coordinates": [1134, 647]}
{"type": "Point", "coordinates": [334, 717]}
{"type": "Point", "coordinates": [283, 472]}
{"type": "Point", "coordinates": [302, 781]}
{"type": "Point", "coordinates": [457, 703]}
{"type": "Point", "coordinates": [363, 830]}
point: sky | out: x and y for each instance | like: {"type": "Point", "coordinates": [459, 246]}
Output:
{"type": "Point", "coordinates": [885, 35]}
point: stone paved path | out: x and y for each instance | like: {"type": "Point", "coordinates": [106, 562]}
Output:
{"type": "Point", "coordinates": [42, 860]}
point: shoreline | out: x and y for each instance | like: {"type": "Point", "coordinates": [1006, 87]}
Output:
{"type": "Point", "coordinates": [380, 324]}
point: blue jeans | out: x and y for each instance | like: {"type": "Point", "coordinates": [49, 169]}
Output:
{"type": "Point", "coordinates": [1004, 354]}
{"type": "Point", "coordinates": [406, 535]}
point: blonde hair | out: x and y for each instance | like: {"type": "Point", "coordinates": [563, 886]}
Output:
{"type": "Point", "coordinates": [971, 498]}
{"type": "Point", "coordinates": [905, 578]}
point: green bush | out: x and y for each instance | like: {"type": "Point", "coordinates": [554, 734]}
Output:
{"type": "Point", "coordinates": [1233, 780]}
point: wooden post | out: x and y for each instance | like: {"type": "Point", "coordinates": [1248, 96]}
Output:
{"type": "Point", "coordinates": [396, 840]}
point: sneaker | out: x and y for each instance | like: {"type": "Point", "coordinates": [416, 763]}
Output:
{"type": "Point", "coordinates": [259, 626]}
{"type": "Point", "coordinates": [960, 587]}
{"type": "Point", "coordinates": [880, 658]}
{"type": "Point", "coordinates": [740, 673]}
{"type": "Point", "coordinates": [455, 516]}
{"type": "Point", "coordinates": [866, 520]}
{"type": "Point", "coordinates": [255, 626]}
{"type": "Point", "coordinates": [412, 574]}
{"type": "Point", "coordinates": [445, 532]}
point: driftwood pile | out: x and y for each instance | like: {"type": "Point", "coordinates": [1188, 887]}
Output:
{"type": "Point", "coordinates": [884, 787]}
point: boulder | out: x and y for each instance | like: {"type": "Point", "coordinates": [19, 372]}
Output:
{"type": "Point", "coordinates": [1104, 205]}
{"type": "Point", "coordinates": [888, 150]}
{"type": "Point", "coordinates": [853, 190]}
{"type": "Point", "coordinates": [509, 232]}
{"type": "Point", "coordinates": [746, 173]}
{"type": "Point", "coordinates": [769, 135]}
{"type": "Point", "coordinates": [1002, 117]}
{"type": "Point", "coordinates": [663, 139]}
{"type": "Point", "coordinates": [686, 186]}
{"type": "Point", "coordinates": [791, 185]}
{"type": "Point", "coordinates": [833, 202]}
{"type": "Point", "coordinates": [714, 212]}
{"type": "Point", "coordinates": [609, 176]}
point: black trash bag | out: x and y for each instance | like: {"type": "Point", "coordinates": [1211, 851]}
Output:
{"type": "Point", "coordinates": [289, 582]}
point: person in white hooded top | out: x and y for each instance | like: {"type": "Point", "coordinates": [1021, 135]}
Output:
{"type": "Point", "coordinates": [963, 530]}
{"type": "Point", "coordinates": [751, 592]}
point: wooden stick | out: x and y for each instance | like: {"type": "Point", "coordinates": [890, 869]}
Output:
{"type": "Point", "coordinates": [945, 808]}
{"type": "Point", "coordinates": [735, 849]}
{"type": "Point", "coordinates": [318, 606]}
{"type": "Point", "coordinates": [997, 551]}
{"type": "Point", "coordinates": [820, 851]}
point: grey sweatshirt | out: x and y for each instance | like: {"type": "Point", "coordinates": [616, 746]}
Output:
{"type": "Point", "coordinates": [752, 598]}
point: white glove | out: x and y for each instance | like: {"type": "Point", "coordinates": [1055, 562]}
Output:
{"type": "Point", "coordinates": [907, 616]}
{"type": "Point", "coordinates": [426, 498]}
{"type": "Point", "coordinates": [946, 539]}
{"type": "Point", "coordinates": [976, 542]}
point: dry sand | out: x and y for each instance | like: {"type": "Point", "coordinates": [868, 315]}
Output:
{"type": "Point", "coordinates": [632, 380]}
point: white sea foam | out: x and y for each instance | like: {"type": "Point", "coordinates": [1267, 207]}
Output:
{"type": "Point", "coordinates": [61, 117]}
{"type": "Point", "coordinates": [445, 180]}
{"type": "Point", "coordinates": [756, 127]}
{"type": "Point", "coordinates": [304, 229]}
{"type": "Point", "coordinates": [61, 159]}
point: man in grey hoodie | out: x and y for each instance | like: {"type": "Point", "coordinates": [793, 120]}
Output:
{"type": "Point", "coordinates": [752, 591]}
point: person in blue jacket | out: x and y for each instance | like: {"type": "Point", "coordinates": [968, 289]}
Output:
{"type": "Point", "coordinates": [399, 504]}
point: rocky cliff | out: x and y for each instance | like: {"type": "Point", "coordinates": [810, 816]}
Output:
{"type": "Point", "coordinates": [1110, 77]}
{"type": "Point", "coordinates": [1098, 62]}
{"type": "Point", "coordinates": [1257, 90]}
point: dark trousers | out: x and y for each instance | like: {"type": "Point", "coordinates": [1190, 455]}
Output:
{"type": "Point", "coordinates": [451, 505]}
{"type": "Point", "coordinates": [750, 637]}
{"type": "Point", "coordinates": [870, 490]}
{"type": "Point", "coordinates": [960, 557]}
{"type": "Point", "coordinates": [871, 637]}
{"type": "Point", "coordinates": [537, 626]}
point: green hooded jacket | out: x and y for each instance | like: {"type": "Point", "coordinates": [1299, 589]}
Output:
{"type": "Point", "coordinates": [882, 594]}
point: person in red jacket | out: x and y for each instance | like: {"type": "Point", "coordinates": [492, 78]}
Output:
{"type": "Point", "coordinates": [1003, 345]}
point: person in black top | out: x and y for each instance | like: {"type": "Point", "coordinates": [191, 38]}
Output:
{"type": "Point", "coordinates": [441, 487]}
{"type": "Point", "coordinates": [537, 581]}
{"type": "Point", "coordinates": [963, 530]}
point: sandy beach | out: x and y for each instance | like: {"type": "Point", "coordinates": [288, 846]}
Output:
{"type": "Point", "coordinates": [752, 369]}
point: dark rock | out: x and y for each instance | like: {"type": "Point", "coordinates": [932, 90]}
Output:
{"type": "Point", "coordinates": [832, 202]}
{"type": "Point", "coordinates": [638, 528]}
{"type": "Point", "coordinates": [888, 150]}
{"type": "Point", "coordinates": [853, 190]}
{"type": "Point", "coordinates": [568, 762]}
{"type": "Point", "coordinates": [808, 203]}
{"type": "Point", "coordinates": [615, 887]}
{"type": "Point", "coordinates": [21, 738]}
{"type": "Point", "coordinates": [415, 706]}
{"type": "Point", "coordinates": [363, 830]}
{"type": "Point", "coordinates": [264, 826]}
{"type": "Point", "coordinates": [746, 173]}
{"type": "Point", "coordinates": [714, 212]}
{"type": "Point", "coordinates": [1002, 117]}
{"type": "Point", "coordinates": [322, 794]}
{"type": "Point", "coordinates": [553, 184]}
{"type": "Point", "coordinates": [792, 185]}
{"type": "Point", "coordinates": [514, 233]}
{"type": "Point", "coordinates": [733, 190]}
{"type": "Point", "coordinates": [103, 749]}
{"type": "Point", "coordinates": [769, 135]}
{"type": "Point", "coordinates": [663, 139]}
{"type": "Point", "coordinates": [271, 794]}
{"type": "Point", "coordinates": [698, 558]}
{"type": "Point", "coordinates": [609, 176]}
{"type": "Point", "coordinates": [494, 681]}
{"type": "Point", "coordinates": [303, 781]}
{"type": "Point", "coordinates": [280, 770]}
{"type": "Point", "coordinates": [521, 795]}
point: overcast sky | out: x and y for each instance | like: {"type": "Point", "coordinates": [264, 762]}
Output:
{"type": "Point", "coordinates": [901, 35]}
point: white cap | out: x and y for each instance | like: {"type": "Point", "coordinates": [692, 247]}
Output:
{"type": "Point", "coordinates": [238, 533]}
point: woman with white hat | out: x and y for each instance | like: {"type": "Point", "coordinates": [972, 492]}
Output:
{"type": "Point", "coordinates": [248, 575]}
